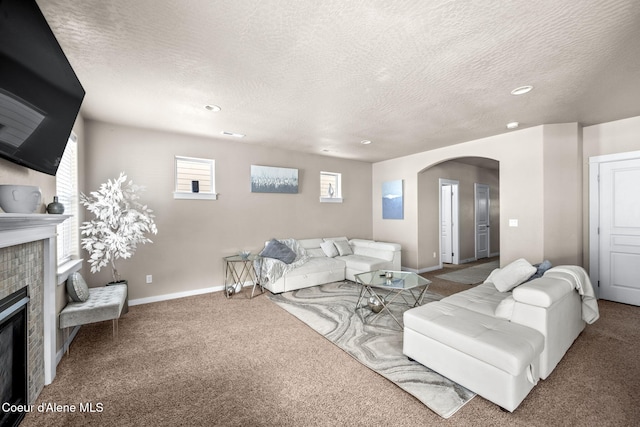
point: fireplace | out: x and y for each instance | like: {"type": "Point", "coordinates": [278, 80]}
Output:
{"type": "Point", "coordinates": [13, 357]}
{"type": "Point", "coordinates": [28, 269]}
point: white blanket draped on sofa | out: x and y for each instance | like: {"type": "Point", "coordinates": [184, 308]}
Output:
{"type": "Point", "coordinates": [273, 269]}
{"type": "Point", "coordinates": [580, 281]}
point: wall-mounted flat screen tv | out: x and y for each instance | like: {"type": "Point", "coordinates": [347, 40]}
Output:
{"type": "Point", "coordinates": [40, 95]}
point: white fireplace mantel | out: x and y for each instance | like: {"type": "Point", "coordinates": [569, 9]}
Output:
{"type": "Point", "coordinates": [16, 229]}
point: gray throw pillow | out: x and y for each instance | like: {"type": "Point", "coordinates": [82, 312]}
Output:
{"type": "Point", "coordinates": [278, 250]}
{"type": "Point", "coordinates": [343, 246]}
{"type": "Point", "coordinates": [77, 288]}
{"type": "Point", "coordinates": [540, 269]}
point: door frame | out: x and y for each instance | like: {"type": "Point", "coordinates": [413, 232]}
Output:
{"type": "Point", "coordinates": [594, 210]}
{"type": "Point", "coordinates": [455, 214]}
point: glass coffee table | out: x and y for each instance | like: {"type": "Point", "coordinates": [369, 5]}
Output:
{"type": "Point", "coordinates": [386, 287]}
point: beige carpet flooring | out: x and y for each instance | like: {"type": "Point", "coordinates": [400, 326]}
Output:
{"type": "Point", "coordinates": [205, 360]}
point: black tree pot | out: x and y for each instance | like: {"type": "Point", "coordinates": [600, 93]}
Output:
{"type": "Point", "coordinates": [125, 308]}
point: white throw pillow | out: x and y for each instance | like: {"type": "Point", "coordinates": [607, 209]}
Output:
{"type": "Point", "coordinates": [344, 248]}
{"type": "Point", "coordinates": [512, 275]}
{"type": "Point", "coordinates": [329, 249]}
{"type": "Point", "coordinates": [493, 273]}
{"type": "Point", "coordinates": [504, 310]}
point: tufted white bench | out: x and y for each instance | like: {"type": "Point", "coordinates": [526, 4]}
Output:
{"type": "Point", "coordinates": [104, 303]}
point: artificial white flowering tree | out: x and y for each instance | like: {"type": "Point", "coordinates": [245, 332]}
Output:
{"type": "Point", "coordinates": [121, 223]}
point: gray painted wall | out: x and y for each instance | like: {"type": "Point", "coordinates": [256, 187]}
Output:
{"type": "Point", "coordinates": [195, 235]}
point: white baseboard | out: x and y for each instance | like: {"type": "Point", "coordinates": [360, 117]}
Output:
{"type": "Point", "coordinates": [176, 295]}
{"type": "Point", "coordinates": [421, 270]}
{"type": "Point", "coordinates": [167, 297]}
{"type": "Point", "coordinates": [66, 344]}
{"type": "Point", "coordinates": [428, 269]}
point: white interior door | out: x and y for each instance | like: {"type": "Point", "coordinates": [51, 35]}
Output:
{"type": "Point", "coordinates": [483, 230]}
{"type": "Point", "coordinates": [449, 213]}
{"type": "Point", "coordinates": [619, 252]}
{"type": "Point", "coordinates": [446, 232]}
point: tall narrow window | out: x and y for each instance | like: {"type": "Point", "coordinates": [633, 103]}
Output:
{"type": "Point", "coordinates": [67, 192]}
{"type": "Point", "coordinates": [195, 178]}
{"type": "Point", "coordinates": [330, 187]}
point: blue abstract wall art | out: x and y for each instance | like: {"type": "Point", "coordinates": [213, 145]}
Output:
{"type": "Point", "coordinates": [392, 200]}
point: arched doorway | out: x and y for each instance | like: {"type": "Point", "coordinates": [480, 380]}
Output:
{"type": "Point", "coordinates": [466, 173]}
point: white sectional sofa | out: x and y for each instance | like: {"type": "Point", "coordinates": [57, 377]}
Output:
{"type": "Point", "coordinates": [500, 343]}
{"type": "Point", "coordinates": [313, 267]}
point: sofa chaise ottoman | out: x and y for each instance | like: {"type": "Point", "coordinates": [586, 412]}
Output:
{"type": "Point", "coordinates": [500, 342]}
{"type": "Point", "coordinates": [326, 260]}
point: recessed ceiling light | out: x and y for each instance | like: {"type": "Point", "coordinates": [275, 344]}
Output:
{"type": "Point", "coordinates": [365, 142]}
{"type": "Point", "coordinates": [521, 90]}
{"type": "Point", "coordinates": [235, 135]}
{"type": "Point", "coordinates": [211, 107]}
{"type": "Point", "coordinates": [512, 125]}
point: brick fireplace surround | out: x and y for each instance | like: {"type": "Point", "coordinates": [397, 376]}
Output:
{"type": "Point", "coordinates": [28, 259]}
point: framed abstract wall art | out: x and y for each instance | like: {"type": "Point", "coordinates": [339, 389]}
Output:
{"type": "Point", "coordinates": [269, 179]}
{"type": "Point", "coordinates": [392, 200]}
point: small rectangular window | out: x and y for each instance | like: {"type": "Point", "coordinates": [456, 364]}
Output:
{"type": "Point", "coordinates": [195, 178]}
{"type": "Point", "coordinates": [330, 187]}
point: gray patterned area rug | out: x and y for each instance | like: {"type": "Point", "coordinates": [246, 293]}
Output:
{"type": "Point", "coordinates": [376, 343]}
{"type": "Point", "coordinates": [471, 275]}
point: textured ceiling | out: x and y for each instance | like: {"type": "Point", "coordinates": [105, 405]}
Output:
{"type": "Point", "coordinates": [320, 76]}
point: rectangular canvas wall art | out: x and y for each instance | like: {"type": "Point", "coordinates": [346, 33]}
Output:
{"type": "Point", "coordinates": [392, 200]}
{"type": "Point", "coordinates": [268, 179]}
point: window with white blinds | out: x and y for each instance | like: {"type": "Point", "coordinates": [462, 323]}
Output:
{"type": "Point", "coordinates": [330, 187]}
{"type": "Point", "coordinates": [195, 178]}
{"type": "Point", "coordinates": [67, 192]}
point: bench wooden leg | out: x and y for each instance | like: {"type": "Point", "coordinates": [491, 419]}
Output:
{"type": "Point", "coordinates": [115, 328]}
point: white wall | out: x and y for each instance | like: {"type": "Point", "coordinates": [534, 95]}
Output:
{"type": "Point", "coordinates": [620, 136]}
{"type": "Point", "coordinates": [562, 193]}
{"type": "Point", "coordinates": [611, 138]}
